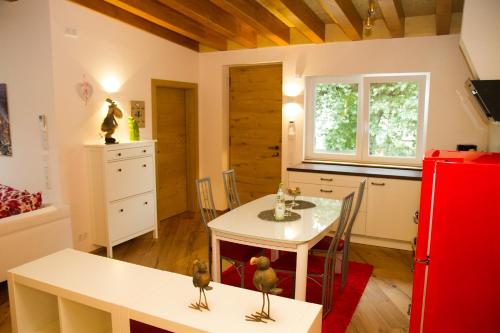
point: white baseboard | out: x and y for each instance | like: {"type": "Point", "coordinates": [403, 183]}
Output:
{"type": "Point", "coordinates": [390, 243]}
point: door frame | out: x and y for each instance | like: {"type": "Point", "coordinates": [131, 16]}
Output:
{"type": "Point", "coordinates": [192, 149]}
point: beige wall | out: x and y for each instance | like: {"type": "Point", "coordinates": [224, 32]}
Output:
{"type": "Point", "coordinates": [481, 37]}
{"type": "Point", "coordinates": [26, 68]}
{"type": "Point", "coordinates": [452, 118]}
{"type": "Point", "coordinates": [103, 47]}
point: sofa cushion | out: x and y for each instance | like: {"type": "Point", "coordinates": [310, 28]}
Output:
{"type": "Point", "coordinates": [14, 202]}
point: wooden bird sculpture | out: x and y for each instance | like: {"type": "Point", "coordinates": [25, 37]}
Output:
{"type": "Point", "coordinates": [109, 124]}
{"type": "Point", "coordinates": [265, 280]}
{"type": "Point", "coordinates": [201, 279]}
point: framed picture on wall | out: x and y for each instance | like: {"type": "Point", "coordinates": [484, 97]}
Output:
{"type": "Point", "coordinates": [5, 142]}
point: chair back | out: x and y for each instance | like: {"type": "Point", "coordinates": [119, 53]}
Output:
{"type": "Point", "coordinates": [329, 271]}
{"type": "Point", "coordinates": [232, 197]}
{"type": "Point", "coordinates": [361, 191]}
{"type": "Point", "coordinates": [206, 200]}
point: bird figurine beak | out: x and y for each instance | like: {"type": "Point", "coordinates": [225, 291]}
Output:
{"type": "Point", "coordinates": [253, 261]}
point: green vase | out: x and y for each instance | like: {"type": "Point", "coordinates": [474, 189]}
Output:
{"type": "Point", "coordinates": [133, 129]}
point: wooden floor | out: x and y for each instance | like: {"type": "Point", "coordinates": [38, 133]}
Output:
{"type": "Point", "coordinates": [182, 239]}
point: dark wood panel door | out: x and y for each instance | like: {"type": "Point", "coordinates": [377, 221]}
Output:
{"type": "Point", "coordinates": [255, 104]}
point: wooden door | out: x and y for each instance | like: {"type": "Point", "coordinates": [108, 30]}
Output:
{"type": "Point", "coordinates": [255, 129]}
{"type": "Point", "coordinates": [171, 151]}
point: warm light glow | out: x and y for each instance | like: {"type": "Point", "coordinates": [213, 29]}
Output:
{"type": "Point", "coordinates": [292, 110]}
{"type": "Point", "coordinates": [293, 87]}
{"type": "Point", "coordinates": [111, 84]}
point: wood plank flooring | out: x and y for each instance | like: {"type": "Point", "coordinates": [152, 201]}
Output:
{"type": "Point", "coordinates": [182, 239]}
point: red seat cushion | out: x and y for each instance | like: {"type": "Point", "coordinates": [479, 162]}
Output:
{"type": "Point", "coordinates": [287, 262]}
{"type": "Point", "coordinates": [238, 251]}
{"type": "Point", "coordinates": [324, 244]}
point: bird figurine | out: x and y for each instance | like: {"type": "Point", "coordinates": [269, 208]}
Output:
{"type": "Point", "coordinates": [201, 279]}
{"type": "Point", "coordinates": [265, 280]}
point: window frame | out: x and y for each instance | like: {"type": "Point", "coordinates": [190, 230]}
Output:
{"type": "Point", "coordinates": [362, 130]}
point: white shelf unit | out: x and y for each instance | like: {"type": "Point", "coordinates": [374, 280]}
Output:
{"type": "Point", "coordinates": [72, 292]}
{"type": "Point", "coordinates": [123, 191]}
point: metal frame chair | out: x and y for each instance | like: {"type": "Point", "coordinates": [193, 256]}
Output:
{"type": "Point", "coordinates": [321, 249]}
{"type": "Point", "coordinates": [232, 197]}
{"type": "Point", "coordinates": [208, 213]}
{"type": "Point", "coordinates": [328, 273]}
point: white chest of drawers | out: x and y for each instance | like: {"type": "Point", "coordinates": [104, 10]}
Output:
{"type": "Point", "coordinates": [123, 192]}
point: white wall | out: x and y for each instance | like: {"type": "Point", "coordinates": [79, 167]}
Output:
{"type": "Point", "coordinates": [452, 118]}
{"type": "Point", "coordinates": [26, 68]}
{"type": "Point", "coordinates": [104, 47]}
{"type": "Point", "coordinates": [481, 37]}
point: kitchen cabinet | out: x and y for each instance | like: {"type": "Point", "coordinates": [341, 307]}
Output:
{"type": "Point", "coordinates": [122, 182]}
{"type": "Point", "coordinates": [386, 213]}
{"type": "Point", "coordinates": [391, 206]}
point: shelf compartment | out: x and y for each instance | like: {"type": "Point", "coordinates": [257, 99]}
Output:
{"type": "Point", "coordinates": [36, 311]}
{"type": "Point", "coordinates": [80, 318]}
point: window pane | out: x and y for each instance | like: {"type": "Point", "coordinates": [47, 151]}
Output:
{"type": "Point", "coordinates": [393, 119]}
{"type": "Point", "coordinates": [335, 118]}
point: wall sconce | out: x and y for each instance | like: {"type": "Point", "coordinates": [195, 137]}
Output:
{"type": "Point", "coordinates": [293, 87]}
{"type": "Point", "coordinates": [111, 84]}
{"type": "Point", "coordinates": [291, 112]}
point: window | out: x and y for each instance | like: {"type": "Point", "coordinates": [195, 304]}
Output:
{"type": "Point", "coordinates": [366, 118]}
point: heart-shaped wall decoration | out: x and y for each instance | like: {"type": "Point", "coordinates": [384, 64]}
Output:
{"type": "Point", "coordinates": [84, 90]}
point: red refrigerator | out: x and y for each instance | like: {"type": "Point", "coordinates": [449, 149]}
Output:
{"type": "Point", "coordinates": [456, 285]}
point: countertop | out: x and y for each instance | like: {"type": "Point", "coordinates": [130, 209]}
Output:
{"type": "Point", "coordinates": [359, 170]}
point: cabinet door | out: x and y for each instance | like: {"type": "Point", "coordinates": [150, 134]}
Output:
{"type": "Point", "coordinates": [131, 216]}
{"type": "Point", "coordinates": [391, 205]}
{"type": "Point", "coordinates": [337, 192]}
{"type": "Point", "coordinates": [129, 177]}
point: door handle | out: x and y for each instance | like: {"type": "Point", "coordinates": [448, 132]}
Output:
{"type": "Point", "coordinates": [326, 191]}
{"type": "Point", "coordinates": [274, 148]}
{"type": "Point", "coordinates": [415, 217]}
{"type": "Point", "coordinates": [275, 155]}
{"type": "Point", "coordinates": [378, 184]}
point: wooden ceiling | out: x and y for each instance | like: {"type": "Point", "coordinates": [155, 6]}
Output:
{"type": "Point", "coordinates": [217, 23]}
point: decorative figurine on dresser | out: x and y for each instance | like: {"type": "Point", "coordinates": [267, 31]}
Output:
{"type": "Point", "coordinates": [122, 182]}
{"type": "Point", "coordinates": [109, 123]}
{"type": "Point", "coordinates": [265, 280]}
{"type": "Point", "coordinates": [201, 280]}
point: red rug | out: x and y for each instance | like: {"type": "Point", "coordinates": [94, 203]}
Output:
{"type": "Point", "coordinates": [345, 300]}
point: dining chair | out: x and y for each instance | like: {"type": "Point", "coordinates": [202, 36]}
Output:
{"type": "Point", "coordinates": [322, 246]}
{"type": "Point", "coordinates": [322, 267]}
{"type": "Point", "coordinates": [236, 254]}
{"type": "Point", "coordinates": [232, 197]}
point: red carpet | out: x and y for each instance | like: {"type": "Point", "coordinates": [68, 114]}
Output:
{"type": "Point", "coordinates": [345, 301]}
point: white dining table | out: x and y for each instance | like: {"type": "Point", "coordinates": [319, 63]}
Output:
{"type": "Point", "coordinates": [243, 226]}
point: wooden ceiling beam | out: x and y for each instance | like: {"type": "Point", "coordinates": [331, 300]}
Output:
{"type": "Point", "coordinates": [140, 23]}
{"type": "Point", "coordinates": [346, 16]}
{"type": "Point", "coordinates": [168, 18]}
{"type": "Point", "coordinates": [215, 18]}
{"type": "Point", "coordinates": [303, 18]}
{"type": "Point", "coordinates": [258, 17]}
{"type": "Point", "coordinates": [443, 16]}
{"type": "Point", "coordinates": [394, 16]}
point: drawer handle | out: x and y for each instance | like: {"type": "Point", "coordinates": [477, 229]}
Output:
{"type": "Point", "coordinates": [144, 150]}
{"type": "Point", "coordinates": [326, 179]}
{"type": "Point", "coordinates": [378, 184]}
{"type": "Point", "coordinates": [326, 191]}
{"type": "Point", "coordinates": [415, 217]}
{"type": "Point", "coordinates": [119, 170]}
{"type": "Point", "coordinates": [145, 202]}
{"type": "Point", "coordinates": [121, 210]}
{"type": "Point", "coordinates": [144, 165]}
{"type": "Point", "coordinates": [119, 154]}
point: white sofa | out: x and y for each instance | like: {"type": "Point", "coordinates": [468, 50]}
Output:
{"type": "Point", "coordinates": [32, 235]}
